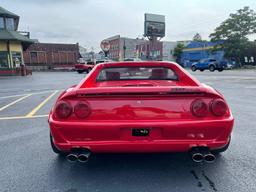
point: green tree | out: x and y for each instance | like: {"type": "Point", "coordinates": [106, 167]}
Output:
{"type": "Point", "coordinates": [178, 51]}
{"type": "Point", "coordinates": [233, 33]}
{"type": "Point", "coordinates": [197, 37]}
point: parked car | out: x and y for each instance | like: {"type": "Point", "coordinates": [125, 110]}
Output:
{"type": "Point", "coordinates": [159, 108]}
{"type": "Point", "coordinates": [84, 67]}
{"type": "Point", "coordinates": [211, 64]}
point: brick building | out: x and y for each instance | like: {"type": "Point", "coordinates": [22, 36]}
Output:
{"type": "Point", "coordinates": [40, 56]}
{"type": "Point", "coordinates": [123, 47]}
{"type": "Point", "coordinates": [150, 50]}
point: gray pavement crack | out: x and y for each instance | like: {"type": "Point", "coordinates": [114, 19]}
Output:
{"type": "Point", "coordinates": [200, 183]}
{"type": "Point", "coordinates": [211, 183]}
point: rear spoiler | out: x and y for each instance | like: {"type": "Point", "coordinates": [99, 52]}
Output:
{"type": "Point", "coordinates": [100, 91]}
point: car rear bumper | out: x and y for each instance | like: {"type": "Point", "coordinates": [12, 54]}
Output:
{"type": "Point", "coordinates": [165, 136]}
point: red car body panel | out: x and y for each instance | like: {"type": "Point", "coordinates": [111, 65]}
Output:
{"type": "Point", "coordinates": [162, 107]}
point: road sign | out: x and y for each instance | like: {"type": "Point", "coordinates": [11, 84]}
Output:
{"type": "Point", "coordinates": [105, 45]}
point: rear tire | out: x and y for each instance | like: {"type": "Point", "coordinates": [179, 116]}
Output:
{"type": "Point", "coordinates": [212, 68]}
{"type": "Point", "coordinates": [55, 149]}
{"type": "Point", "coordinates": [201, 70]}
{"type": "Point", "coordinates": [88, 70]}
{"type": "Point", "coordinates": [193, 68]}
{"type": "Point", "coordinates": [80, 71]}
{"type": "Point", "coordinates": [220, 70]}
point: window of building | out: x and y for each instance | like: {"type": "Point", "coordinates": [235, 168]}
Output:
{"type": "Point", "coordinates": [16, 59]}
{"type": "Point", "coordinates": [33, 55]}
{"type": "Point", "coordinates": [9, 23]}
{"type": "Point", "coordinates": [1, 23]}
{"type": "Point", "coordinates": [3, 59]}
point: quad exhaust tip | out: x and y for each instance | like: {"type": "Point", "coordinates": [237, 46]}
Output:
{"type": "Point", "coordinates": [209, 158]}
{"type": "Point", "coordinates": [197, 157]}
{"type": "Point", "coordinates": [201, 154]}
{"type": "Point", "coordinates": [71, 157]}
{"type": "Point", "coordinates": [81, 155]}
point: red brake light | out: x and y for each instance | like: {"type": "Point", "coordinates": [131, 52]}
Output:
{"type": "Point", "coordinates": [199, 108]}
{"type": "Point", "coordinates": [82, 110]}
{"type": "Point", "coordinates": [63, 110]}
{"type": "Point", "coordinates": [219, 107]}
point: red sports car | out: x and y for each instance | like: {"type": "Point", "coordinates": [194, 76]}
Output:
{"type": "Point", "coordinates": [140, 107]}
{"type": "Point", "coordinates": [82, 67]}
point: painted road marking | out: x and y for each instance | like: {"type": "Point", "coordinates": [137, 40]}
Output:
{"type": "Point", "coordinates": [250, 87]}
{"type": "Point", "coordinates": [36, 93]}
{"type": "Point", "coordinates": [22, 117]}
{"type": "Point", "coordinates": [16, 101]}
{"type": "Point", "coordinates": [31, 113]}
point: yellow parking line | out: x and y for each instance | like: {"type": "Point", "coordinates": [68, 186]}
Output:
{"type": "Point", "coordinates": [22, 117]}
{"type": "Point", "coordinates": [33, 93]}
{"type": "Point", "coordinates": [16, 101]}
{"type": "Point", "coordinates": [31, 113]}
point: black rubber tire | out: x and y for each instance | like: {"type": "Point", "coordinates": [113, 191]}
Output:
{"type": "Point", "coordinates": [201, 70]}
{"type": "Point", "coordinates": [80, 71]}
{"type": "Point", "coordinates": [212, 68]}
{"type": "Point", "coordinates": [55, 149]}
{"type": "Point", "coordinates": [220, 70]}
{"type": "Point", "coordinates": [193, 68]}
{"type": "Point", "coordinates": [88, 70]}
{"type": "Point", "coordinates": [221, 150]}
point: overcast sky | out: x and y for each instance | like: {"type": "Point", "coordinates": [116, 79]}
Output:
{"type": "Point", "coordinates": [90, 21]}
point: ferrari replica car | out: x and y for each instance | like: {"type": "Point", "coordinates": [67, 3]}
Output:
{"type": "Point", "coordinates": [139, 107]}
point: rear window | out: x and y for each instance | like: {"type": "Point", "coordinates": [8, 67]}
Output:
{"type": "Point", "coordinates": [136, 73]}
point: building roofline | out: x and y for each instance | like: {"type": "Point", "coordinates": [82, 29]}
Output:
{"type": "Point", "coordinates": [56, 43]}
{"type": "Point", "coordinates": [4, 12]}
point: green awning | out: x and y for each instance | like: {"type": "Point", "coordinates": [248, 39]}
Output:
{"type": "Point", "coordinates": [14, 36]}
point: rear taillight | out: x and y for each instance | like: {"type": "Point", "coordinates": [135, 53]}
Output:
{"type": "Point", "coordinates": [218, 107]}
{"type": "Point", "coordinates": [82, 110]}
{"type": "Point", "coordinates": [199, 108]}
{"type": "Point", "coordinates": [63, 109]}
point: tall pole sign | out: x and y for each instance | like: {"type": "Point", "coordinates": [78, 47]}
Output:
{"type": "Point", "coordinates": [154, 28]}
{"type": "Point", "coordinates": [105, 46]}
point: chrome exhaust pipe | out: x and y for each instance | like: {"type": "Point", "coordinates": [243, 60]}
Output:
{"type": "Point", "coordinates": [209, 157]}
{"type": "Point", "coordinates": [84, 156]}
{"type": "Point", "coordinates": [72, 157]}
{"type": "Point", "coordinates": [196, 155]}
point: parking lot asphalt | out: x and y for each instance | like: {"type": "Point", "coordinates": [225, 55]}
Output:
{"type": "Point", "coordinates": [28, 163]}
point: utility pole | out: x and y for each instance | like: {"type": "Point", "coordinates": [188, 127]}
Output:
{"type": "Point", "coordinates": [124, 48]}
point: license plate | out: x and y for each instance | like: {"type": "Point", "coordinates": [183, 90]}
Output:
{"type": "Point", "coordinates": [140, 132]}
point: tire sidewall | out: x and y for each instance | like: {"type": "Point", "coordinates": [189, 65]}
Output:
{"type": "Point", "coordinates": [212, 68]}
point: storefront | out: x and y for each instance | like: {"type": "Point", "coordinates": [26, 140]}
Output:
{"type": "Point", "coordinates": [12, 44]}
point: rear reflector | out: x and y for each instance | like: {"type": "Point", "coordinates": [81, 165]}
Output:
{"type": "Point", "coordinates": [63, 110]}
{"type": "Point", "coordinates": [82, 110]}
{"type": "Point", "coordinates": [199, 108]}
{"type": "Point", "coordinates": [219, 107]}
